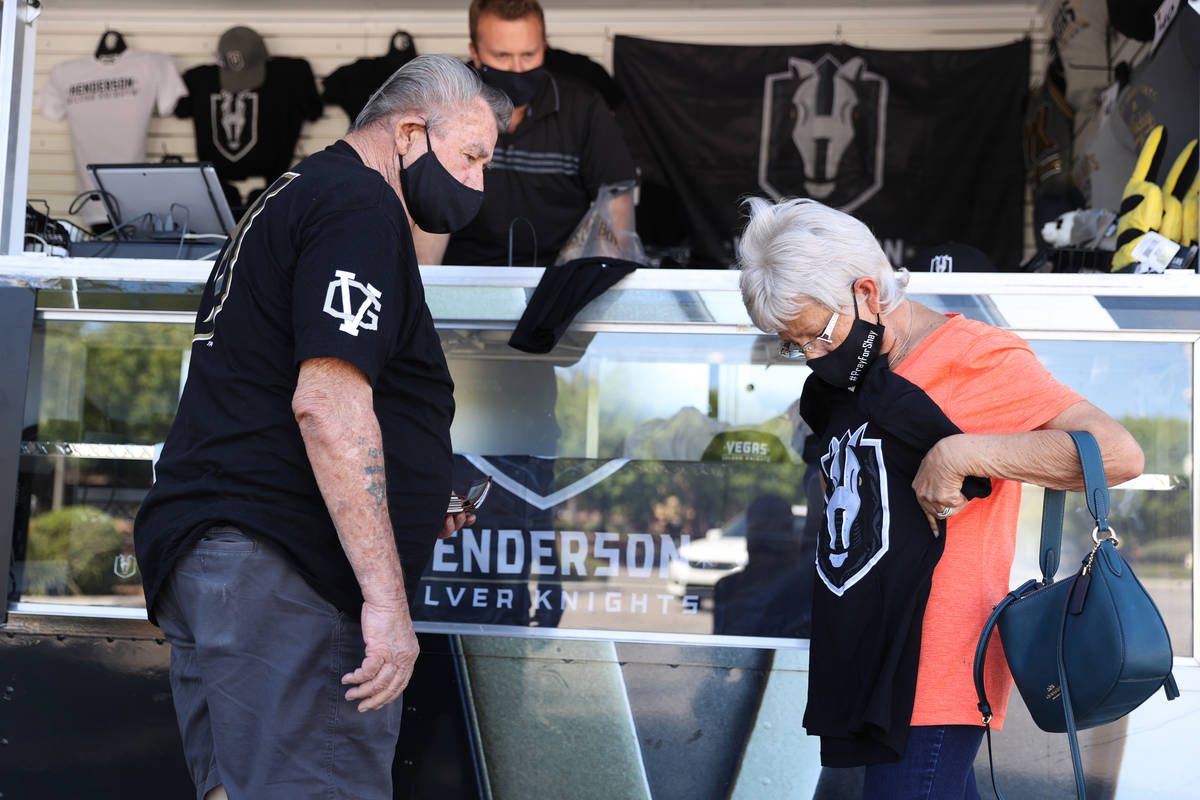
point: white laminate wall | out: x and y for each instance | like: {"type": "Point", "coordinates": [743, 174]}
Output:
{"type": "Point", "coordinates": [329, 39]}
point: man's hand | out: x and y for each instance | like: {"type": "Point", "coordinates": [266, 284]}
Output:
{"type": "Point", "coordinates": [939, 480]}
{"type": "Point", "coordinates": [453, 522]}
{"type": "Point", "coordinates": [390, 655]}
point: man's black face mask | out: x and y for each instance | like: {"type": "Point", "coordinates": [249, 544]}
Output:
{"type": "Point", "coordinates": [519, 86]}
{"type": "Point", "coordinates": [845, 364]}
{"type": "Point", "coordinates": [436, 200]}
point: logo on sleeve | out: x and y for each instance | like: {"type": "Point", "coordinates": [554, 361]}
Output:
{"type": "Point", "coordinates": [353, 312]}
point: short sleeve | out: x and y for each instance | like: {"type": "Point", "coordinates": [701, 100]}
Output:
{"type": "Point", "coordinates": [1000, 386]}
{"type": "Point", "coordinates": [606, 157]}
{"type": "Point", "coordinates": [53, 99]}
{"type": "Point", "coordinates": [170, 86]}
{"type": "Point", "coordinates": [348, 295]}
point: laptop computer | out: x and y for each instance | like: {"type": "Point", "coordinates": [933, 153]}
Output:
{"type": "Point", "coordinates": [163, 199]}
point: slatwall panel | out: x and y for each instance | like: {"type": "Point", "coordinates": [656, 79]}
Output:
{"type": "Point", "coordinates": [330, 39]}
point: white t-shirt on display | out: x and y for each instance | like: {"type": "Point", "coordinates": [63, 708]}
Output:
{"type": "Point", "coordinates": [108, 102]}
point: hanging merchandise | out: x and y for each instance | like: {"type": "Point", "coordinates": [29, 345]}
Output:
{"type": "Point", "coordinates": [1084, 43]}
{"type": "Point", "coordinates": [1161, 91]}
{"type": "Point", "coordinates": [1157, 219]}
{"type": "Point", "coordinates": [1049, 129]}
{"type": "Point", "coordinates": [247, 111]}
{"type": "Point", "coordinates": [1141, 204]}
{"type": "Point", "coordinates": [107, 100]}
{"type": "Point", "coordinates": [350, 86]}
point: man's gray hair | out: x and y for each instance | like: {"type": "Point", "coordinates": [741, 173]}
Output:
{"type": "Point", "coordinates": [435, 87]}
{"type": "Point", "coordinates": [802, 249]}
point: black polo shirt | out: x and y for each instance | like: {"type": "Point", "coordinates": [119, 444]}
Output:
{"type": "Point", "coordinates": [547, 171]}
{"type": "Point", "coordinates": [321, 266]}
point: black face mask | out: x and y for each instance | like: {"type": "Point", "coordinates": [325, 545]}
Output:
{"type": "Point", "coordinates": [519, 86]}
{"type": "Point", "coordinates": [436, 200]}
{"type": "Point", "coordinates": [844, 365]}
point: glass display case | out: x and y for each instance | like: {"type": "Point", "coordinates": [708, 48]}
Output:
{"type": "Point", "coordinates": [629, 611]}
{"type": "Point", "coordinates": [649, 484]}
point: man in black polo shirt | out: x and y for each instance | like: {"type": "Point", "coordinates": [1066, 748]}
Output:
{"type": "Point", "coordinates": [307, 473]}
{"type": "Point", "coordinates": [560, 148]}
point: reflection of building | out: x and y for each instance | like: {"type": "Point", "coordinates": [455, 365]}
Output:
{"type": "Point", "coordinates": [772, 594]}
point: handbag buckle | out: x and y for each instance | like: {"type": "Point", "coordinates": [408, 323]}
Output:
{"type": "Point", "coordinates": [1112, 536]}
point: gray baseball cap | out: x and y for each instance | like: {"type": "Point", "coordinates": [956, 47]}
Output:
{"type": "Point", "coordinates": [242, 54]}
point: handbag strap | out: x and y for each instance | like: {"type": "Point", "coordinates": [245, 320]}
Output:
{"type": "Point", "coordinates": [1054, 505]}
{"type": "Point", "coordinates": [980, 657]}
{"type": "Point", "coordinates": [1068, 709]}
{"type": "Point", "coordinates": [1053, 510]}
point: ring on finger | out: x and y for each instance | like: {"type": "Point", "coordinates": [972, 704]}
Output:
{"type": "Point", "coordinates": [945, 512]}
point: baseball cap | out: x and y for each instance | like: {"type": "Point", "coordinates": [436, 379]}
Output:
{"type": "Point", "coordinates": [951, 257]}
{"type": "Point", "coordinates": [242, 54]}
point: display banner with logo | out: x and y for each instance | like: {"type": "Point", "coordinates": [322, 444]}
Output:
{"type": "Point", "coordinates": [924, 146]}
{"type": "Point", "coordinates": [714, 546]}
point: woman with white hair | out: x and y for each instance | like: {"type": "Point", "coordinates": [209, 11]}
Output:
{"type": "Point", "coordinates": [909, 404]}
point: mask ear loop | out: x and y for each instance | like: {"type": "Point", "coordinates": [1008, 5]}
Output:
{"type": "Point", "coordinates": [854, 297]}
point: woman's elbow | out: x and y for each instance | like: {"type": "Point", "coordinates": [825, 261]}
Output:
{"type": "Point", "coordinates": [1127, 460]}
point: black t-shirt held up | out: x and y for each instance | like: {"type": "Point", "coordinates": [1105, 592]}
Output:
{"type": "Point", "coordinates": [320, 266]}
{"type": "Point", "coordinates": [875, 562]}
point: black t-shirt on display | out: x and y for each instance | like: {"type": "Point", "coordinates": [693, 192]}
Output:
{"type": "Point", "coordinates": [251, 133]}
{"type": "Point", "coordinates": [875, 561]}
{"type": "Point", "coordinates": [321, 265]}
{"type": "Point", "coordinates": [351, 86]}
{"type": "Point", "coordinates": [547, 171]}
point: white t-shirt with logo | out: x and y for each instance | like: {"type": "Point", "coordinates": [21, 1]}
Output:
{"type": "Point", "coordinates": [108, 103]}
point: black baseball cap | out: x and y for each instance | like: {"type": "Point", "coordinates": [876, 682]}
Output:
{"type": "Point", "coordinates": [951, 257]}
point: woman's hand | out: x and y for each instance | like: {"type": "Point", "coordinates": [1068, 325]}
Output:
{"type": "Point", "coordinates": [939, 480]}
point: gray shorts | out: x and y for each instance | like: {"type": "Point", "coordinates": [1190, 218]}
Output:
{"type": "Point", "coordinates": [257, 658]}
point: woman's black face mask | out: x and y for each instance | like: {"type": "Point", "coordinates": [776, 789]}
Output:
{"type": "Point", "coordinates": [845, 364]}
{"type": "Point", "coordinates": [436, 200]}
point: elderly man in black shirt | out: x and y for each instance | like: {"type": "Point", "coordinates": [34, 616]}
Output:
{"type": "Point", "coordinates": [307, 474]}
{"type": "Point", "coordinates": [561, 146]}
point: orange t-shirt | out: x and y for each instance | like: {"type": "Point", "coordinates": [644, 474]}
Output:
{"type": "Point", "coordinates": [986, 380]}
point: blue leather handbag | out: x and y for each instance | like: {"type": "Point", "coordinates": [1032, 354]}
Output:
{"type": "Point", "coordinates": [1090, 648]}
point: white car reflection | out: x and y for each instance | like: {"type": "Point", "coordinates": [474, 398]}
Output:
{"type": "Point", "coordinates": [721, 552]}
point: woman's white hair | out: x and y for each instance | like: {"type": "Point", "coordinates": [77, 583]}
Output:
{"type": "Point", "coordinates": [800, 248]}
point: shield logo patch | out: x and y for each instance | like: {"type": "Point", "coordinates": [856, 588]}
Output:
{"type": "Point", "coordinates": [854, 535]}
{"type": "Point", "coordinates": [234, 123]}
{"type": "Point", "coordinates": [823, 131]}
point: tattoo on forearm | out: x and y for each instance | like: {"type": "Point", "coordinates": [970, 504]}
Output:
{"type": "Point", "coordinates": [378, 490]}
{"type": "Point", "coordinates": [373, 452]}
{"type": "Point", "coordinates": [377, 487]}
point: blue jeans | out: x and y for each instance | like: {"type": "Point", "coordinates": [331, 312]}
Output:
{"type": "Point", "coordinates": [938, 764]}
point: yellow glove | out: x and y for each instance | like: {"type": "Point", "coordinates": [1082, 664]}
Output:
{"type": "Point", "coordinates": [1179, 189]}
{"type": "Point", "coordinates": [1142, 203]}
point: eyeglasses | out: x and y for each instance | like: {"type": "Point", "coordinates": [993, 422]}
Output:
{"type": "Point", "coordinates": [794, 350]}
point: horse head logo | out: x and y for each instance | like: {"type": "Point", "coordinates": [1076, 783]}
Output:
{"type": "Point", "coordinates": [841, 510]}
{"type": "Point", "coordinates": [856, 524]}
{"type": "Point", "coordinates": [823, 131]}
{"type": "Point", "coordinates": [825, 102]}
